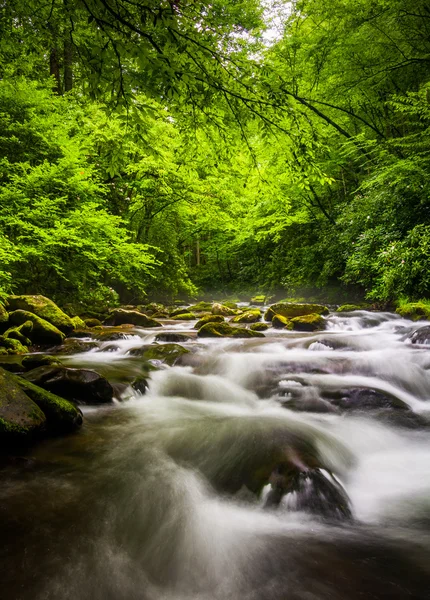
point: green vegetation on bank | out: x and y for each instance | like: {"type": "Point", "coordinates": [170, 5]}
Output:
{"type": "Point", "coordinates": [159, 150]}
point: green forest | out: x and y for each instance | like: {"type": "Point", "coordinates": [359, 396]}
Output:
{"type": "Point", "coordinates": [169, 149]}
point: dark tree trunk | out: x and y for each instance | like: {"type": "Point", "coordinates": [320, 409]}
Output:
{"type": "Point", "coordinates": [68, 73]}
{"type": "Point", "coordinates": [54, 69]}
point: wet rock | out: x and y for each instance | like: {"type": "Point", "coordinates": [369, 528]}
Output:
{"type": "Point", "coordinates": [280, 322]}
{"type": "Point", "coordinates": [416, 311]}
{"type": "Point", "coordinates": [259, 327]}
{"type": "Point", "coordinates": [92, 322]}
{"type": "Point", "coordinates": [312, 322]}
{"type": "Point", "coordinates": [312, 405]}
{"type": "Point", "coordinates": [11, 346]}
{"type": "Point", "coordinates": [38, 360]}
{"type": "Point", "coordinates": [290, 309]}
{"type": "Point", "coordinates": [13, 366]}
{"type": "Point", "coordinates": [352, 307]}
{"type": "Point", "coordinates": [249, 316]}
{"type": "Point", "coordinates": [187, 316]}
{"type": "Point", "coordinates": [78, 385]}
{"type": "Point", "coordinates": [260, 299]}
{"type": "Point", "coordinates": [152, 308]}
{"type": "Point", "coordinates": [208, 319]}
{"type": "Point", "coordinates": [78, 323]}
{"type": "Point", "coordinates": [140, 384]}
{"type": "Point", "coordinates": [364, 399]}
{"type": "Point", "coordinates": [4, 317]}
{"type": "Point", "coordinates": [420, 336]}
{"type": "Point", "coordinates": [20, 418]}
{"type": "Point", "coordinates": [44, 308]}
{"type": "Point", "coordinates": [172, 337]}
{"type": "Point", "coordinates": [74, 346]}
{"type": "Point", "coordinates": [225, 330]}
{"type": "Point", "coordinates": [120, 316]}
{"type": "Point", "coordinates": [201, 307]}
{"type": "Point", "coordinates": [43, 332]}
{"type": "Point", "coordinates": [165, 353]}
{"type": "Point", "coordinates": [178, 311]}
{"type": "Point", "coordinates": [110, 334]}
{"type": "Point", "coordinates": [223, 310]}
{"type": "Point", "coordinates": [20, 333]}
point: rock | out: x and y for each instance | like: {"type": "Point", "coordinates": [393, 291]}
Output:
{"type": "Point", "coordinates": [225, 330]}
{"type": "Point", "coordinates": [160, 315]}
{"type": "Point", "coordinates": [232, 305]}
{"type": "Point", "coordinates": [74, 346]}
{"type": "Point", "coordinates": [313, 405]}
{"type": "Point", "coordinates": [11, 364]}
{"type": "Point", "coordinates": [290, 309]}
{"type": "Point", "coordinates": [78, 323]}
{"type": "Point", "coordinates": [172, 337]}
{"type": "Point", "coordinates": [11, 346]}
{"type": "Point", "coordinates": [110, 334]}
{"type": "Point", "coordinates": [184, 317]}
{"type": "Point", "coordinates": [200, 307]}
{"type": "Point", "coordinates": [223, 310]}
{"type": "Point", "coordinates": [259, 327]}
{"type": "Point", "coordinates": [140, 384]}
{"type": "Point", "coordinates": [79, 385]}
{"type": "Point", "coordinates": [20, 418]}
{"type": "Point", "coordinates": [62, 416]}
{"type": "Point", "coordinates": [120, 316]}
{"type": "Point", "coordinates": [416, 311]}
{"type": "Point", "coordinates": [151, 308]}
{"type": "Point", "coordinates": [420, 336]}
{"type": "Point", "coordinates": [165, 353]}
{"type": "Point", "coordinates": [20, 333]}
{"type": "Point", "coordinates": [260, 299]}
{"type": "Point", "coordinates": [178, 311]}
{"type": "Point", "coordinates": [42, 333]}
{"type": "Point", "coordinates": [38, 360]}
{"type": "Point", "coordinates": [313, 322]}
{"type": "Point", "coordinates": [364, 399]}
{"type": "Point", "coordinates": [44, 308]}
{"type": "Point", "coordinates": [249, 316]}
{"type": "Point", "coordinates": [131, 317]}
{"type": "Point", "coordinates": [92, 322]}
{"type": "Point", "coordinates": [208, 319]}
{"type": "Point", "coordinates": [4, 317]}
{"type": "Point", "coordinates": [280, 322]}
{"type": "Point", "coordinates": [352, 307]}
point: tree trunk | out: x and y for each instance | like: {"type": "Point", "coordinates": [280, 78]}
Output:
{"type": "Point", "coordinates": [54, 69]}
{"type": "Point", "coordinates": [68, 73]}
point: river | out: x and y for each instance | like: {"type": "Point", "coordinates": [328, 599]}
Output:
{"type": "Point", "coordinates": [154, 498]}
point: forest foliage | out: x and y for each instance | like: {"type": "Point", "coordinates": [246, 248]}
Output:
{"type": "Point", "coordinates": [169, 148]}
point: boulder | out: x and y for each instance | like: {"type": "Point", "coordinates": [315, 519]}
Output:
{"type": "Point", "coordinates": [33, 361]}
{"type": "Point", "coordinates": [20, 418]}
{"type": "Point", "coordinates": [43, 332]}
{"type": "Point", "coordinates": [44, 308]}
{"type": "Point", "coordinates": [225, 330]}
{"type": "Point", "coordinates": [313, 322]}
{"type": "Point", "coordinates": [259, 327]}
{"type": "Point", "coordinates": [78, 323]}
{"type": "Point", "coordinates": [74, 346]}
{"type": "Point", "coordinates": [172, 337]}
{"type": "Point", "coordinates": [4, 317]}
{"type": "Point", "coordinates": [62, 416]}
{"type": "Point", "coordinates": [165, 353]}
{"type": "Point", "coordinates": [200, 307]}
{"type": "Point", "coordinates": [291, 309]}
{"type": "Point", "coordinates": [420, 336]}
{"type": "Point", "coordinates": [352, 307]}
{"type": "Point", "coordinates": [11, 364]}
{"type": "Point", "coordinates": [280, 322]}
{"type": "Point", "coordinates": [78, 385]}
{"type": "Point", "coordinates": [364, 399]}
{"type": "Point", "coordinates": [416, 311]}
{"type": "Point", "coordinates": [178, 311]}
{"type": "Point", "coordinates": [151, 308]}
{"type": "Point", "coordinates": [11, 346]}
{"type": "Point", "coordinates": [110, 334]}
{"type": "Point", "coordinates": [208, 319]}
{"type": "Point", "coordinates": [249, 316]}
{"type": "Point", "coordinates": [260, 299]}
{"type": "Point", "coordinates": [140, 384]}
{"type": "Point", "coordinates": [20, 333]}
{"type": "Point", "coordinates": [223, 310]}
{"type": "Point", "coordinates": [92, 322]}
{"type": "Point", "coordinates": [120, 316]}
{"type": "Point", "coordinates": [187, 316]}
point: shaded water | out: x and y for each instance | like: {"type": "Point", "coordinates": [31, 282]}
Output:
{"type": "Point", "coordinates": [153, 499]}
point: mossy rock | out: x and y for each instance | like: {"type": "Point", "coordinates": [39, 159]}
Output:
{"type": "Point", "coordinates": [223, 310]}
{"type": "Point", "coordinates": [249, 316]}
{"type": "Point", "coordinates": [152, 308]}
{"type": "Point", "coordinates": [201, 307]}
{"type": "Point", "coordinates": [260, 299]}
{"type": "Point", "coordinates": [290, 310]}
{"type": "Point", "coordinates": [20, 333]}
{"type": "Point", "coordinates": [170, 336]}
{"type": "Point", "coordinates": [120, 316]}
{"type": "Point", "coordinates": [12, 346]}
{"type": "Point", "coordinates": [44, 308]}
{"type": "Point", "coordinates": [78, 323]}
{"type": "Point", "coordinates": [259, 327]}
{"type": "Point", "coordinates": [33, 361]}
{"type": "Point", "coordinates": [281, 322]}
{"type": "Point", "coordinates": [232, 305]}
{"type": "Point", "coordinates": [416, 311]}
{"type": "Point", "coordinates": [42, 332]}
{"type": "Point", "coordinates": [178, 311]}
{"type": "Point", "coordinates": [208, 319]}
{"type": "Point", "coordinates": [165, 353]}
{"type": "Point", "coordinates": [20, 418]}
{"type": "Point", "coordinates": [352, 307]}
{"type": "Point", "coordinates": [214, 330]}
{"type": "Point", "coordinates": [62, 416]}
{"type": "Point", "coordinates": [313, 322]}
{"type": "Point", "coordinates": [187, 316]}
{"type": "Point", "coordinates": [160, 315]}
{"type": "Point", "coordinates": [4, 317]}
{"type": "Point", "coordinates": [92, 323]}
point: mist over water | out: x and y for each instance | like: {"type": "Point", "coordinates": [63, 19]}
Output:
{"type": "Point", "coordinates": [164, 497]}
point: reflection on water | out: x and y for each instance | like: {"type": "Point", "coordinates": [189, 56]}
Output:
{"type": "Point", "coordinates": [163, 497]}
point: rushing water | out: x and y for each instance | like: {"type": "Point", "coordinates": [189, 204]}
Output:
{"type": "Point", "coordinates": [153, 498]}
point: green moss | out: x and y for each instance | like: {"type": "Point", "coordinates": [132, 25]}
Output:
{"type": "Point", "coordinates": [294, 310]}
{"type": "Point", "coordinates": [33, 361]}
{"type": "Point", "coordinates": [232, 305]}
{"type": "Point", "coordinates": [201, 307]}
{"type": "Point", "coordinates": [44, 308]}
{"type": "Point", "coordinates": [12, 346]}
{"type": "Point", "coordinates": [249, 316]}
{"type": "Point", "coordinates": [167, 353]}
{"type": "Point", "coordinates": [352, 307]}
{"type": "Point", "coordinates": [416, 311]}
{"type": "Point", "coordinates": [20, 333]}
{"type": "Point", "coordinates": [223, 310]}
{"type": "Point", "coordinates": [42, 331]}
{"type": "Point", "coordinates": [119, 316]}
{"type": "Point", "coordinates": [177, 311]}
{"type": "Point", "coordinates": [280, 322]}
{"type": "Point", "coordinates": [259, 327]}
{"type": "Point", "coordinates": [208, 319]}
{"type": "Point", "coordinates": [313, 322]}
{"type": "Point", "coordinates": [4, 317]}
{"type": "Point", "coordinates": [78, 323]}
{"type": "Point", "coordinates": [184, 317]}
{"type": "Point", "coordinates": [225, 330]}
{"type": "Point", "coordinates": [92, 323]}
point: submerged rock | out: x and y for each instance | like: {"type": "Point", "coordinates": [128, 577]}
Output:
{"type": "Point", "coordinates": [420, 336]}
{"type": "Point", "coordinates": [120, 316]}
{"type": "Point", "coordinates": [172, 337]}
{"type": "Point", "coordinates": [33, 361]}
{"type": "Point", "coordinates": [165, 353]}
{"type": "Point", "coordinates": [364, 399]}
{"type": "Point", "coordinates": [42, 332]}
{"type": "Point", "coordinates": [225, 330]}
{"type": "Point", "coordinates": [44, 308]}
{"type": "Point", "coordinates": [290, 310]}
{"type": "Point", "coordinates": [78, 385]}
